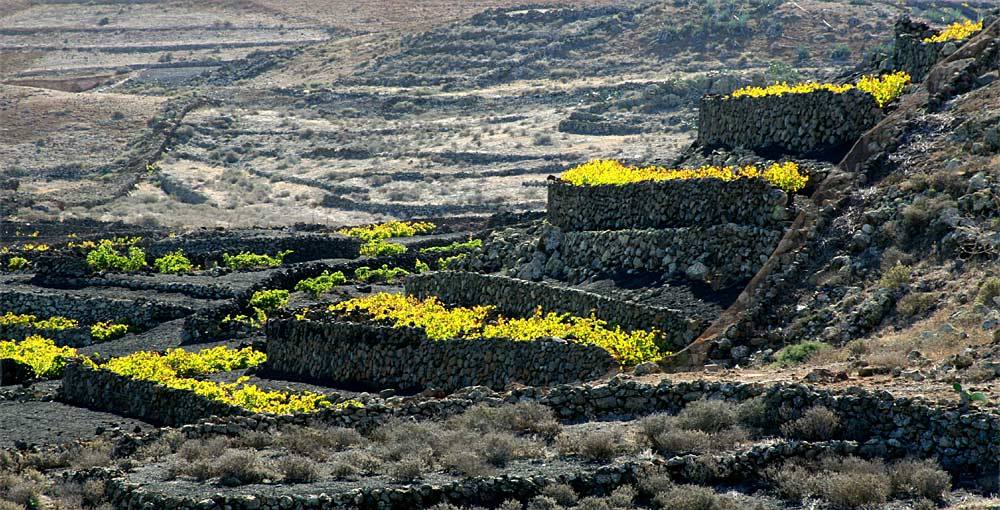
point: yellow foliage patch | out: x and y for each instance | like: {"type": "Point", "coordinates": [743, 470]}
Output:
{"type": "Point", "coordinates": [782, 175]}
{"type": "Point", "coordinates": [958, 31]}
{"type": "Point", "coordinates": [884, 88]}
{"type": "Point", "coordinates": [443, 323]}
{"type": "Point", "coordinates": [177, 368]}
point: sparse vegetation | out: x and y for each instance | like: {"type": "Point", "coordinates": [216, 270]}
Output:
{"type": "Point", "coordinates": [107, 257]}
{"type": "Point", "coordinates": [173, 263]}
{"type": "Point", "coordinates": [321, 284]}
{"type": "Point", "coordinates": [247, 260]}
{"type": "Point", "coordinates": [799, 353]}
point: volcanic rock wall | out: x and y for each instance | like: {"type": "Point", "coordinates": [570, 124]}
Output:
{"type": "Point", "coordinates": [822, 123]}
{"type": "Point", "coordinates": [665, 204]}
{"type": "Point", "coordinates": [342, 353]}
{"type": "Point", "coordinates": [521, 297]}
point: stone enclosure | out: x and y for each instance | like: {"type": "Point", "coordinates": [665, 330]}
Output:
{"type": "Point", "coordinates": [821, 124]}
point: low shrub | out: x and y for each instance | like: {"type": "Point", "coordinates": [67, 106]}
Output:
{"type": "Point", "coordinates": [446, 263]}
{"type": "Point", "coordinates": [919, 478]}
{"type": "Point", "coordinates": [17, 263]}
{"type": "Point", "coordinates": [321, 284]}
{"type": "Point", "coordinates": [591, 445]}
{"type": "Point", "coordinates": [176, 369]}
{"type": "Point", "coordinates": [246, 260]}
{"type": "Point", "coordinates": [456, 247]}
{"type": "Point", "coordinates": [105, 331]}
{"type": "Point", "coordinates": [604, 172]}
{"type": "Point", "coordinates": [384, 274]}
{"type": "Point", "coordinates": [173, 263]}
{"type": "Point", "coordinates": [799, 353]}
{"type": "Point", "coordinates": [519, 418]}
{"type": "Point", "coordinates": [389, 230]}
{"type": "Point", "coordinates": [106, 257]}
{"type": "Point", "coordinates": [42, 355]}
{"type": "Point", "coordinates": [441, 323]}
{"type": "Point", "coordinates": [381, 248]}
{"type": "Point", "coordinates": [916, 303]}
{"type": "Point", "coordinates": [688, 497]}
{"type": "Point", "coordinates": [989, 290]}
{"type": "Point", "coordinates": [240, 467]}
{"type": "Point", "coordinates": [958, 31]}
{"type": "Point", "coordinates": [816, 424]}
{"type": "Point", "coordinates": [269, 300]}
{"type": "Point", "coordinates": [855, 489]}
{"type": "Point", "coordinates": [896, 277]}
{"type": "Point", "coordinates": [884, 89]}
{"type": "Point", "coordinates": [296, 469]}
{"type": "Point", "coordinates": [707, 416]}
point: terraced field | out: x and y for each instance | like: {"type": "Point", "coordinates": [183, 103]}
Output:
{"type": "Point", "coordinates": [427, 256]}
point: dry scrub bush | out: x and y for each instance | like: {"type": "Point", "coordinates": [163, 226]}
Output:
{"type": "Point", "coordinates": [240, 467]}
{"type": "Point", "coordinates": [298, 469]}
{"type": "Point", "coordinates": [562, 493]}
{"type": "Point", "coordinates": [520, 418]}
{"type": "Point", "coordinates": [919, 478]}
{"type": "Point", "coordinates": [317, 442]}
{"type": "Point", "coordinates": [816, 424]}
{"type": "Point", "coordinates": [850, 482]}
{"type": "Point", "coordinates": [591, 445]}
{"type": "Point", "coordinates": [701, 427]}
{"type": "Point", "coordinates": [707, 416]}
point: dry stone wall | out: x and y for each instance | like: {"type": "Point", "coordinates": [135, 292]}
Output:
{"type": "Point", "coordinates": [665, 204]}
{"type": "Point", "coordinates": [352, 354]}
{"type": "Point", "coordinates": [721, 254]}
{"type": "Point", "coordinates": [210, 245]}
{"type": "Point", "coordinates": [910, 53]}
{"type": "Point", "coordinates": [141, 313]}
{"type": "Point", "coordinates": [521, 297]}
{"type": "Point", "coordinates": [822, 123]}
{"type": "Point", "coordinates": [145, 400]}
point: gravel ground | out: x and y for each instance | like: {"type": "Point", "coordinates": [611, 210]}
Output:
{"type": "Point", "coordinates": [55, 422]}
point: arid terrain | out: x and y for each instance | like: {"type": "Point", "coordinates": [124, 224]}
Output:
{"type": "Point", "coordinates": [262, 254]}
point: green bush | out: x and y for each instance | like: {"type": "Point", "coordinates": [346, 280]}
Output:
{"type": "Point", "coordinates": [247, 260]}
{"type": "Point", "coordinates": [381, 275]}
{"type": "Point", "coordinates": [451, 262]}
{"type": "Point", "coordinates": [106, 257]}
{"type": "Point", "coordinates": [173, 263]}
{"type": "Point", "coordinates": [104, 331]}
{"type": "Point", "coordinates": [456, 247]}
{"type": "Point", "coordinates": [17, 263]}
{"type": "Point", "coordinates": [421, 267]}
{"type": "Point", "coordinates": [896, 277]}
{"type": "Point", "coordinates": [269, 300]}
{"type": "Point", "coordinates": [798, 353]}
{"type": "Point", "coordinates": [321, 284]}
{"type": "Point", "coordinates": [380, 248]}
{"type": "Point", "coordinates": [988, 291]}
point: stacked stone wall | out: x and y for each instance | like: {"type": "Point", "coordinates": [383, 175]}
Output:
{"type": "Point", "coordinates": [352, 354]}
{"type": "Point", "coordinates": [821, 124]}
{"type": "Point", "coordinates": [665, 204]}
{"type": "Point", "coordinates": [516, 297]}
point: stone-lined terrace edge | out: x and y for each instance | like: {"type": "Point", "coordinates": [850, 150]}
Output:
{"type": "Point", "coordinates": [665, 204]}
{"type": "Point", "coordinates": [821, 123]}
{"type": "Point", "coordinates": [369, 356]}
{"type": "Point", "coordinates": [516, 297]}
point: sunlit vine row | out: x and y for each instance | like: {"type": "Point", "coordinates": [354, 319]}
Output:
{"type": "Point", "coordinates": [884, 89]}
{"type": "Point", "coordinates": [443, 323]}
{"type": "Point", "coordinates": [782, 175]}
{"type": "Point", "coordinates": [177, 369]}
{"type": "Point", "coordinates": [41, 354]}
